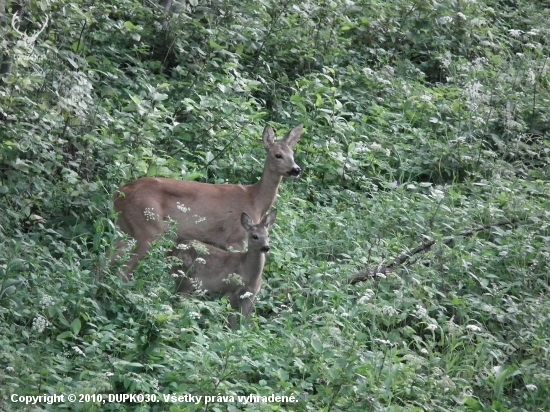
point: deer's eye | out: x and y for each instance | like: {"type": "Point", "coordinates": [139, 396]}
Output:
{"type": "Point", "coordinates": [255, 237]}
{"type": "Point", "coordinates": [279, 156]}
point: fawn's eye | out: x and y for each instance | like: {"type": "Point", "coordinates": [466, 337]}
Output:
{"type": "Point", "coordinates": [279, 156]}
{"type": "Point", "coordinates": [255, 237]}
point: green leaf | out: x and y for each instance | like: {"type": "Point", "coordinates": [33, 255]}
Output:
{"type": "Point", "coordinates": [10, 290]}
{"type": "Point", "coordinates": [76, 325]}
{"type": "Point", "coordinates": [135, 99]}
{"type": "Point", "coordinates": [317, 345]}
{"type": "Point", "coordinates": [214, 45]}
{"type": "Point", "coordinates": [78, 47]}
{"type": "Point", "coordinates": [319, 101]}
{"type": "Point", "coordinates": [64, 335]}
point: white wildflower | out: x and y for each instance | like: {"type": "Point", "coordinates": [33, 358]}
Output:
{"type": "Point", "coordinates": [478, 120]}
{"type": "Point", "coordinates": [200, 247]}
{"type": "Point", "coordinates": [79, 351]}
{"type": "Point", "coordinates": [197, 284]}
{"type": "Point", "coordinates": [200, 261]}
{"type": "Point", "coordinates": [246, 295]}
{"type": "Point", "coordinates": [445, 20]}
{"type": "Point", "coordinates": [434, 120]}
{"type": "Point", "coordinates": [533, 32]}
{"type": "Point", "coordinates": [183, 246]}
{"type": "Point", "coordinates": [390, 70]}
{"type": "Point", "coordinates": [514, 32]}
{"type": "Point", "coordinates": [376, 147]}
{"type": "Point", "coordinates": [194, 315]}
{"type": "Point", "coordinates": [530, 387]}
{"type": "Point", "coordinates": [389, 311]}
{"type": "Point", "coordinates": [155, 384]}
{"type": "Point", "coordinates": [420, 312]}
{"type": "Point", "coordinates": [473, 328]}
{"type": "Point", "coordinates": [149, 213]}
{"type": "Point", "coordinates": [369, 294]}
{"type": "Point", "coordinates": [109, 374]}
{"type": "Point", "coordinates": [531, 77]}
{"type": "Point", "coordinates": [39, 324]}
{"type": "Point", "coordinates": [200, 219]}
{"type": "Point", "coordinates": [426, 98]}
{"type": "Point", "coordinates": [10, 369]}
{"type": "Point", "coordinates": [380, 275]}
{"type": "Point", "coordinates": [446, 60]}
{"type": "Point", "coordinates": [520, 55]}
{"type": "Point", "coordinates": [179, 274]}
{"type": "Point", "coordinates": [424, 351]}
{"type": "Point", "coordinates": [182, 208]}
{"type": "Point", "coordinates": [46, 301]}
{"type": "Point", "coordinates": [360, 147]}
{"type": "Point", "coordinates": [431, 327]}
{"type": "Point", "coordinates": [383, 341]}
{"type": "Point", "coordinates": [462, 16]}
{"type": "Point", "coordinates": [480, 62]}
{"type": "Point", "coordinates": [234, 278]}
{"type": "Point", "coordinates": [473, 90]}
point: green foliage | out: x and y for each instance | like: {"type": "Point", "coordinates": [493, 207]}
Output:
{"type": "Point", "coordinates": [423, 120]}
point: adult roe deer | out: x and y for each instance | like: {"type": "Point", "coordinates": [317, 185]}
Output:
{"type": "Point", "coordinates": [209, 213]}
{"type": "Point", "coordinates": [219, 272]}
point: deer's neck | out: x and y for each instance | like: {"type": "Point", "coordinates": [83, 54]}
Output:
{"type": "Point", "coordinates": [265, 191]}
{"type": "Point", "coordinates": [254, 263]}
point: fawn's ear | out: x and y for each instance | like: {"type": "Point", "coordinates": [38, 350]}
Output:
{"type": "Point", "coordinates": [246, 221]}
{"type": "Point", "coordinates": [270, 219]}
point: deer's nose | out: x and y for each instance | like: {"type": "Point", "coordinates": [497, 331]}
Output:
{"type": "Point", "coordinates": [265, 249]}
{"type": "Point", "coordinates": [295, 171]}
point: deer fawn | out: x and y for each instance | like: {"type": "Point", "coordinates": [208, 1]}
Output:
{"type": "Point", "coordinates": [205, 212]}
{"type": "Point", "coordinates": [234, 274]}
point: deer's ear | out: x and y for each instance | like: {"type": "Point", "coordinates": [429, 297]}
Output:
{"type": "Point", "coordinates": [268, 137]}
{"type": "Point", "coordinates": [246, 221]}
{"type": "Point", "coordinates": [294, 136]}
{"type": "Point", "coordinates": [270, 219]}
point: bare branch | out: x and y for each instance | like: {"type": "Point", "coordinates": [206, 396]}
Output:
{"type": "Point", "coordinates": [383, 269]}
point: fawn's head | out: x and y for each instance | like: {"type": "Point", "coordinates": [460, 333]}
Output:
{"type": "Point", "coordinates": [258, 235]}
